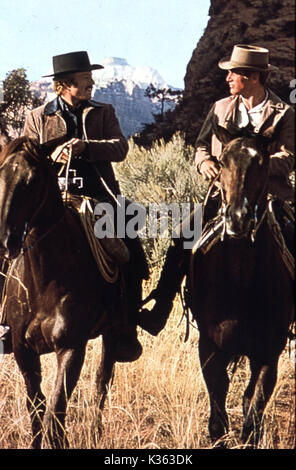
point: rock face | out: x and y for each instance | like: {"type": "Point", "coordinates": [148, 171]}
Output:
{"type": "Point", "coordinates": [267, 23]}
{"type": "Point", "coordinates": [132, 107]}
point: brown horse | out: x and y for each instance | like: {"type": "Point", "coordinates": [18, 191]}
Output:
{"type": "Point", "coordinates": [240, 291]}
{"type": "Point", "coordinates": [56, 298]}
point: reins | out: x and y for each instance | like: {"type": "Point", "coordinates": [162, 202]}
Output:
{"type": "Point", "coordinates": [67, 165]}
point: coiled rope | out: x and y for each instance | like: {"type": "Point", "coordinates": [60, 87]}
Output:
{"type": "Point", "coordinates": [106, 264]}
{"type": "Point", "coordinates": [82, 204]}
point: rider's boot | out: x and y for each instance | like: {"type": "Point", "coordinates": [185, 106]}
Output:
{"type": "Point", "coordinates": [127, 347]}
{"type": "Point", "coordinates": [174, 270]}
{"type": "Point", "coordinates": [123, 342]}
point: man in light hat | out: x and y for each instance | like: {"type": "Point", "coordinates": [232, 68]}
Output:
{"type": "Point", "coordinates": [92, 136]}
{"type": "Point", "coordinates": [251, 104]}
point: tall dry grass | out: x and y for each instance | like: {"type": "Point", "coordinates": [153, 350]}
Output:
{"type": "Point", "coordinates": [158, 402]}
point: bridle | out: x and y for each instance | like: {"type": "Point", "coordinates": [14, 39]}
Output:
{"type": "Point", "coordinates": [256, 220]}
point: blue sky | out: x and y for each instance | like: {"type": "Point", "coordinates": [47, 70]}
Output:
{"type": "Point", "coordinates": [158, 33]}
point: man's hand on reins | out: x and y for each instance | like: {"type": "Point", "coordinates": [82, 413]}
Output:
{"type": "Point", "coordinates": [208, 169]}
{"type": "Point", "coordinates": [62, 153]}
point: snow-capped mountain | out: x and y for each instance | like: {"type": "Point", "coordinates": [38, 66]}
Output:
{"type": "Point", "coordinates": [118, 69]}
{"type": "Point", "coordinates": [123, 86]}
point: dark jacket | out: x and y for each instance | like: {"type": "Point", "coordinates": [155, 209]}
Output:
{"type": "Point", "coordinates": [101, 131]}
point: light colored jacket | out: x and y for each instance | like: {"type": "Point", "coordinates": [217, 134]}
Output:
{"type": "Point", "coordinates": [105, 141]}
{"type": "Point", "coordinates": [278, 117]}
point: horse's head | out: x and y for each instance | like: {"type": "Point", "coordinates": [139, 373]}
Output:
{"type": "Point", "coordinates": [22, 187]}
{"type": "Point", "coordinates": [244, 174]}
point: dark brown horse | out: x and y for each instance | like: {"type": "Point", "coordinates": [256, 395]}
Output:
{"type": "Point", "coordinates": [56, 298]}
{"type": "Point", "coordinates": [240, 289]}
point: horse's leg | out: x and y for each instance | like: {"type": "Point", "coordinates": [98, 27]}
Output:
{"type": "Point", "coordinates": [69, 363]}
{"type": "Point", "coordinates": [257, 394]}
{"type": "Point", "coordinates": [214, 364]}
{"type": "Point", "coordinates": [29, 364]}
{"type": "Point", "coordinates": [255, 370]}
{"type": "Point", "coordinates": [104, 377]}
{"type": "Point", "coordinates": [104, 374]}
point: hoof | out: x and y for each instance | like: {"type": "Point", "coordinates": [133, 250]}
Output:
{"type": "Point", "coordinates": [124, 345]}
{"type": "Point", "coordinates": [129, 352]}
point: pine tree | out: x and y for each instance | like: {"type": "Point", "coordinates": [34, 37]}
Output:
{"type": "Point", "coordinates": [162, 95]}
{"type": "Point", "coordinates": [17, 99]}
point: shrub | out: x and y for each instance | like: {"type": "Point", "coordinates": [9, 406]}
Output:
{"type": "Point", "coordinates": [163, 174]}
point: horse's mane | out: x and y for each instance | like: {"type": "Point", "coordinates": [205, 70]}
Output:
{"type": "Point", "coordinates": [24, 143]}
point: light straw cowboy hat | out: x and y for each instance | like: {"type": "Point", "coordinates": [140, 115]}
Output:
{"type": "Point", "coordinates": [248, 57]}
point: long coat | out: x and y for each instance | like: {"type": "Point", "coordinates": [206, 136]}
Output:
{"type": "Point", "coordinates": [105, 141]}
{"type": "Point", "coordinates": [277, 117]}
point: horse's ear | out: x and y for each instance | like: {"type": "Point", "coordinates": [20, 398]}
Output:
{"type": "Point", "coordinates": [220, 132]}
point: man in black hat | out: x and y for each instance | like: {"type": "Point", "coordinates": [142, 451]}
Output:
{"type": "Point", "coordinates": [250, 104]}
{"type": "Point", "coordinates": [92, 136]}
{"type": "Point", "coordinates": [90, 129]}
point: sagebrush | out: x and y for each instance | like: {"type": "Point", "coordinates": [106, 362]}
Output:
{"type": "Point", "coordinates": [165, 173]}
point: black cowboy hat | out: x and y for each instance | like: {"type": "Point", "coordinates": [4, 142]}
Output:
{"type": "Point", "coordinates": [72, 62]}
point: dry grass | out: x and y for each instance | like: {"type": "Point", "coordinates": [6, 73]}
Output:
{"type": "Point", "coordinates": [158, 402]}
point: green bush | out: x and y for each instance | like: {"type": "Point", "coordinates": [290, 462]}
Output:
{"type": "Point", "coordinates": [163, 174]}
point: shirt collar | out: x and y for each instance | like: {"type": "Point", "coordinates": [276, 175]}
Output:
{"type": "Point", "coordinates": [258, 108]}
{"type": "Point", "coordinates": [64, 106]}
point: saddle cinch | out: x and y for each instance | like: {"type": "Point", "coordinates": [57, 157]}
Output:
{"type": "Point", "coordinates": [109, 252]}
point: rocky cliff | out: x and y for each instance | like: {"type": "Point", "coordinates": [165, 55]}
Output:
{"type": "Point", "coordinates": [267, 23]}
